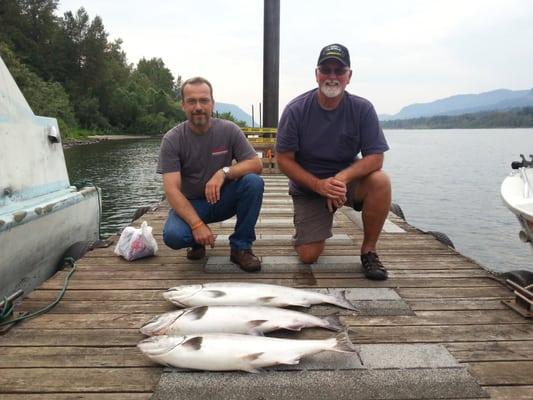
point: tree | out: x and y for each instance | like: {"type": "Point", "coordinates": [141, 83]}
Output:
{"type": "Point", "coordinates": [45, 98]}
{"type": "Point", "coordinates": [159, 75]}
{"type": "Point", "coordinates": [229, 116]}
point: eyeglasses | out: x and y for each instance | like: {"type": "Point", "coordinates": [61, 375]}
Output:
{"type": "Point", "coordinates": [203, 101]}
{"type": "Point", "coordinates": [337, 71]}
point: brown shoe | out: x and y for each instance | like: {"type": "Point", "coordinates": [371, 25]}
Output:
{"type": "Point", "coordinates": [246, 260]}
{"type": "Point", "coordinates": [196, 253]}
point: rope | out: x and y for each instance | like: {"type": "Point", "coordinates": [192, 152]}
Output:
{"type": "Point", "coordinates": [9, 308]}
{"type": "Point", "coordinates": [6, 310]}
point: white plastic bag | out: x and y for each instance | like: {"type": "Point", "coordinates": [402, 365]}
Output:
{"type": "Point", "coordinates": [136, 243]}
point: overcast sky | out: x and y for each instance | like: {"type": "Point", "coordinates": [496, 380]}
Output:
{"type": "Point", "coordinates": [402, 51]}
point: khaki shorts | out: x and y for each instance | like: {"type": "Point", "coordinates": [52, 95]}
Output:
{"type": "Point", "coordinates": [313, 220]}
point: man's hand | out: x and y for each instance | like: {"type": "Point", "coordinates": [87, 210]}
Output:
{"type": "Point", "coordinates": [331, 188]}
{"type": "Point", "coordinates": [203, 235]}
{"type": "Point", "coordinates": [213, 186]}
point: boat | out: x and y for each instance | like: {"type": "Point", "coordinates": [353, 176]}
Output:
{"type": "Point", "coordinates": [517, 195]}
{"type": "Point", "coordinates": [41, 214]}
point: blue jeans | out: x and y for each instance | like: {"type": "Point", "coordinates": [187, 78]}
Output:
{"type": "Point", "coordinates": [242, 197]}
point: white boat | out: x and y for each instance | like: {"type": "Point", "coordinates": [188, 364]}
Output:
{"type": "Point", "coordinates": [517, 194]}
{"type": "Point", "coordinates": [41, 214]}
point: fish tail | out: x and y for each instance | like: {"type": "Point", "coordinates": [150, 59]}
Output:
{"type": "Point", "coordinates": [342, 301]}
{"type": "Point", "coordinates": [334, 323]}
{"type": "Point", "coordinates": [343, 343]}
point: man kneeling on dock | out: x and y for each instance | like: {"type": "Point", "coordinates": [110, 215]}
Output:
{"type": "Point", "coordinates": [319, 136]}
{"type": "Point", "coordinates": [201, 184]}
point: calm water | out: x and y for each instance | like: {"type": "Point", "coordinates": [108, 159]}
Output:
{"type": "Point", "coordinates": [444, 180]}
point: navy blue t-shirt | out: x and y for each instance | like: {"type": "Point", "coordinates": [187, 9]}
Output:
{"type": "Point", "coordinates": [328, 141]}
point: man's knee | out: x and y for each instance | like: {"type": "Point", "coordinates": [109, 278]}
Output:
{"type": "Point", "coordinates": [253, 182]}
{"type": "Point", "coordinates": [309, 253]}
{"type": "Point", "coordinates": [175, 239]}
{"type": "Point", "coordinates": [379, 180]}
{"type": "Point", "coordinates": [377, 183]}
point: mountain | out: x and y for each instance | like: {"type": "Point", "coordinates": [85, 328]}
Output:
{"type": "Point", "coordinates": [236, 111]}
{"type": "Point", "coordinates": [501, 99]}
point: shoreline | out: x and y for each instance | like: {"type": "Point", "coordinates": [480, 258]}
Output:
{"type": "Point", "coordinates": [68, 143]}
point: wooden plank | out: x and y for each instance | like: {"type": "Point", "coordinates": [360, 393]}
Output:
{"type": "Point", "coordinates": [492, 351]}
{"type": "Point", "coordinates": [196, 271]}
{"type": "Point", "coordinates": [99, 295]}
{"type": "Point", "coordinates": [503, 372]}
{"type": "Point", "coordinates": [67, 357]}
{"type": "Point", "coordinates": [498, 292]}
{"type": "Point", "coordinates": [456, 304]}
{"type": "Point", "coordinates": [73, 380]}
{"type": "Point", "coordinates": [440, 334]}
{"type": "Point", "coordinates": [70, 337]}
{"type": "Point", "coordinates": [286, 280]}
{"type": "Point", "coordinates": [77, 396]}
{"type": "Point", "coordinates": [510, 392]}
{"type": "Point", "coordinates": [132, 321]}
{"type": "Point", "coordinates": [86, 307]}
{"type": "Point", "coordinates": [469, 317]}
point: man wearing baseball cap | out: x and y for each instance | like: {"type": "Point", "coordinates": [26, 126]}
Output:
{"type": "Point", "coordinates": [330, 144]}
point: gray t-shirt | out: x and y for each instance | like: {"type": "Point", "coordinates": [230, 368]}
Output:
{"type": "Point", "coordinates": [327, 141]}
{"type": "Point", "coordinates": [198, 156]}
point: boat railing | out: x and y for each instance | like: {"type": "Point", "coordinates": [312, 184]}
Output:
{"type": "Point", "coordinates": [522, 167]}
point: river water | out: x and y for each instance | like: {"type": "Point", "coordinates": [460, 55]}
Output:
{"type": "Point", "coordinates": [444, 180]}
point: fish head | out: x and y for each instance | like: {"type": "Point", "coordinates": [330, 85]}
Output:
{"type": "Point", "coordinates": [179, 294]}
{"type": "Point", "coordinates": [160, 345]}
{"type": "Point", "coordinates": [160, 324]}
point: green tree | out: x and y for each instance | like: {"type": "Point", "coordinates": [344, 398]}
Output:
{"type": "Point", "coordinates": [229, 116]}
{"type": "Point", "coordinates": [45, 98]}
{"type": "Point", "coordinates": [159, 75]}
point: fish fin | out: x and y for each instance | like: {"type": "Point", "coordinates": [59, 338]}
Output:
{"type": "Point", "coordinates": [267, 299]}
{"type": "Point", "coordinates": [254, 370]}
{"type": "Point", "coordinates": [294, 327]}
{"type": "Point", "coordinates": [334, 323]}
{"type": "Point", "coordinates": [197, 313]}
{"type": "Point", "coordinates": [214, 293]}
{"type": "Point", "coordinates": [252, 357]}
{"type": "Point", "coordinates": [256, 322]}
{"type": "Point", "coordinates": [343, 343]}
{"type": "Point", "coordinates": [194, 343]}
{"type": "Point", "coordinates": [291, 359]}
{"type": "Point", "coordinates": [342, 301]}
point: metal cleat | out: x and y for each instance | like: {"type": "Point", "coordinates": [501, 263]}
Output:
{"type": "Point", "coordinates": [523, 301]}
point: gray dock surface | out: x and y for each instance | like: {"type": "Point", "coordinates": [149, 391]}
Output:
{"type": "Point", "coordinates": [436, 329]}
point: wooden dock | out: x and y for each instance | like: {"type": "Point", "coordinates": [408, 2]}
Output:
{"type": "Point", "coordinates": [85, 348]}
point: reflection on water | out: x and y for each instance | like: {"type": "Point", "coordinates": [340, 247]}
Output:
{"type": "Point", "coordinates": [124, 170]}
{"type": "Point", "coordinates": [449, 181]}
{"type": "Point", "coordinates": [444, 180]}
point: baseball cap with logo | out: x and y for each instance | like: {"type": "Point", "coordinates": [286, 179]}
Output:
{"type": "Point", "coordinates": [335, 51]}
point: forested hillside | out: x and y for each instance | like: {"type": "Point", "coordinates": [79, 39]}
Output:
{"type": "Point", "coordinates": [514, 118]}
{"type": "Point", "coordinates": [68, 69]}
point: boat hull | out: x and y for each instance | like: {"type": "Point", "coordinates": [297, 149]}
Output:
{"type": "Point", "coordinates": [519, 200]}
{"type": "Point", "coordinates": [32, 247]}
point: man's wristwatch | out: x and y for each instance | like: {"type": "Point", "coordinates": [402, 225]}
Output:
{"type": "Point", "coordinates": [226, 172]}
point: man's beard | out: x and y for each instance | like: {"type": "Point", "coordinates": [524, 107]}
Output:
{"type": "Point", "coordinates": [199, 119]}
{"type": "Point", "coordinates": [329, 90]}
